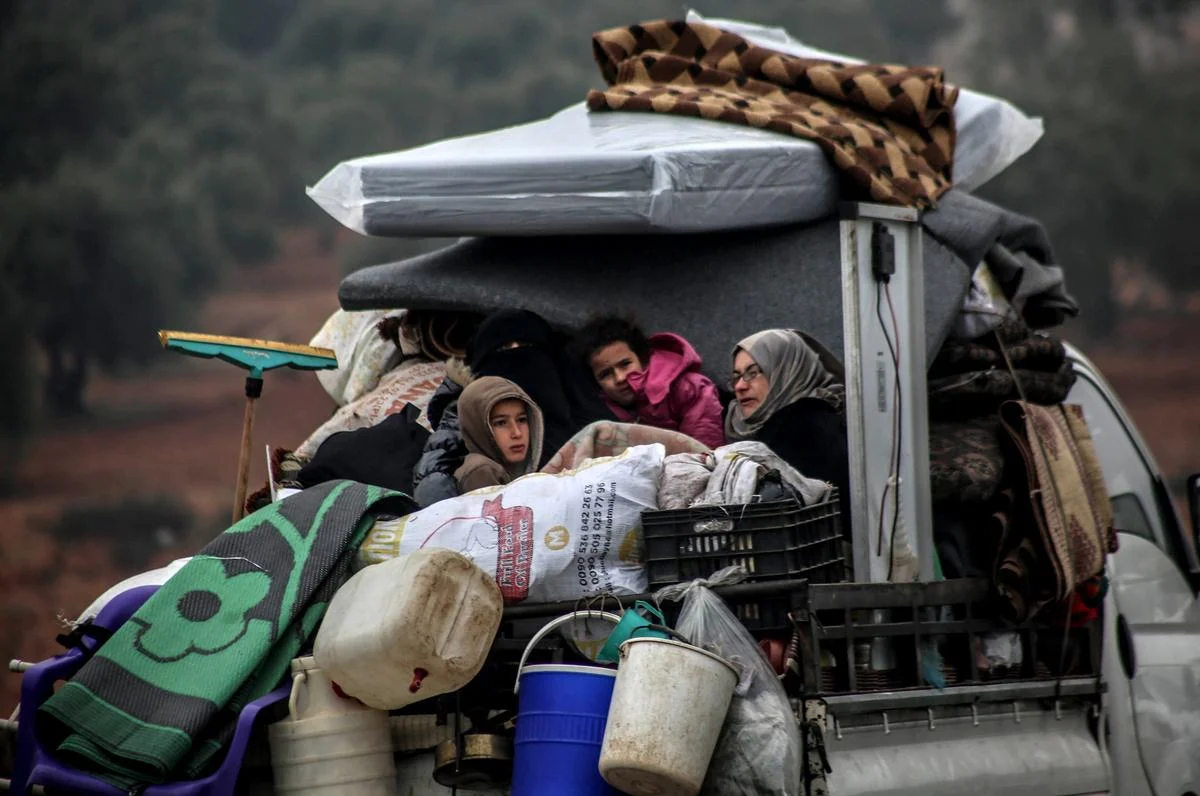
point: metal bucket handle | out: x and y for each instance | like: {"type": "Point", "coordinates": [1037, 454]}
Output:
{"type": "Point", "coordinates": [552, 625]}
{"type": "Point", "coordinates": [662, 629]}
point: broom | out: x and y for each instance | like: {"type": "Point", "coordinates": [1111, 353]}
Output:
{"type": "Point", "coordinates": [256, 357]}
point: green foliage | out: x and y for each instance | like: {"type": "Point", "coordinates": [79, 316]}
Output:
{"type": "Point", "coordinates": [147, 161]}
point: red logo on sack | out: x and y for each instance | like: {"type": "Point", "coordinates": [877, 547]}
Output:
{"type": "Point", "coordinates": [514, 551]}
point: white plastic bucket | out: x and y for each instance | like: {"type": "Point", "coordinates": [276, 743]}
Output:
{"type": "Point", "coordinates": [666, 714]}
{"type": "Point", "coordinates": [329, 745]}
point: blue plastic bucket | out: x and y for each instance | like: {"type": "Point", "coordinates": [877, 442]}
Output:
{"type": "Point", "coordinates": [561, 714]}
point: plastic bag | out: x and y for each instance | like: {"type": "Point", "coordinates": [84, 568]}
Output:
{"type": "Point", "coordinates": [759, 748]}
{"type": "Point", "coordinates": [984, 308]}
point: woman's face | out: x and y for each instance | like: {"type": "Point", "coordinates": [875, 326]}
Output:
{"type": "Point", "coordinates": [510, 429]}
{"type": "Point", "coordinates": [749, 383]}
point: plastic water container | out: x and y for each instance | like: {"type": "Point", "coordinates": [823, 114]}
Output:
{"type": "Point", "coordinates": [330, 745]}
{"type": "Point", "coordinates": [561, 715]}
{"type": "Point", "coordinates": [410, 628]}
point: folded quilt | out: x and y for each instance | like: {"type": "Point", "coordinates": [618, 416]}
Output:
{"type": "Point", "coordinates": [889, 128]}
{"type": "Point", "coordinates": [161, 697]}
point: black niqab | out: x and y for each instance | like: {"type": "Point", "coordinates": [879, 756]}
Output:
{"type": "Point", "coordinates": [542, 368]}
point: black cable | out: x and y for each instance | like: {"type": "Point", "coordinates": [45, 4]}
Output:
{"type": "Point", "coordinates": [892, 451]}
{"type": "Point", "coordinates": [894, 350]}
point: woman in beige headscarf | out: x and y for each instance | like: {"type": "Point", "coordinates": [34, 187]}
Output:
{"type": "Point", "coordinates": [789, 395]}
{"type": "Point", "coordinates": [502, 431]}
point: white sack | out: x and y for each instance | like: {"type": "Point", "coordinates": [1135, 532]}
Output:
{"type": "Point", "coordinates": [546, 537]}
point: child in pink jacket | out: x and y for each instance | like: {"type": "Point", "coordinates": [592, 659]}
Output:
{"type": "Point", "coordinates": [655, 380]}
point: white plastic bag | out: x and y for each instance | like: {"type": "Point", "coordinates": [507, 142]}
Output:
{"type": "Point", "coordinates": [984, 308]}
{"type": "Point", "coordinates": [154, 577]}
{"type": "Point", "coordinates": [759, 749]}
{"type": "Point", "coordinates": [546, 537]}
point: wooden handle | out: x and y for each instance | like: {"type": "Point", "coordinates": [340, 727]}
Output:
{"type": "Point", "coordinates": [243, 471]}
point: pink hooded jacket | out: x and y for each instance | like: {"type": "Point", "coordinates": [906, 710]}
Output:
{"type": "Point", "coordinates": [672, 393]}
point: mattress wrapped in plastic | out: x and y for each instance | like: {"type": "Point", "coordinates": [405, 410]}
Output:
{"type": "Point", "coordinates": [578, 172]}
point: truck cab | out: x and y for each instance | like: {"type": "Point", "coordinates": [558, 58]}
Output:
{"type": "Point", "coordinates": [1137, 732]}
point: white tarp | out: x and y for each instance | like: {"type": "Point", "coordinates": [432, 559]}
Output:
{"type": "Point", "coordinates": [579, 172]}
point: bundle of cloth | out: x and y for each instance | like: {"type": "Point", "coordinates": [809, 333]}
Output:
{"type": "Point", "coordinates": [734, 474]}
{"type": "Point", "coordinates": [970, 378]}
{"type": "Point", "coordinates": [1017, 491]}
{"type": "Point", "coordinates": [391, 362]}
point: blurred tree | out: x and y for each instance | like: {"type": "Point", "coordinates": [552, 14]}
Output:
{"type": "Point", "coordinates": [255, 27]}
{"type": "Point", "coordinates": [147, 160]}
{"type": "Point", "coordinates": [16, 388]}
{"type": "Point", "coordinates": [1114, 175]}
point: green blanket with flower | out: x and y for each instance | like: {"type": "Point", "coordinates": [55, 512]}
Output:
{"type": "Point", "coordinates": [161, 696]}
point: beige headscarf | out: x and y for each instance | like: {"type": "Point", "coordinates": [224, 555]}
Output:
{"type": "Point", "coordinates": [796, 366]}
{"type": "Point", "coordinates": [485, 465]}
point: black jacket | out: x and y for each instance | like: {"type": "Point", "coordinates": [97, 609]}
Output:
{"type": "Point", "coordinates": [383, 454]}
{"type": "Point", "coordinates": [810, 435]}
{"type": "Point", "coordinates": [433, 477]}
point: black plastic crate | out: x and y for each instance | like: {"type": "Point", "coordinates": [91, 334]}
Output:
{"type": "Point", "coordinates": [774, 541]}
{"type": "Point", "coordinates": [778, 540]}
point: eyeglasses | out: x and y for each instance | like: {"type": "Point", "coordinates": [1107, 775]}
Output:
{"type": "Point", "coordinates": [748, 375]}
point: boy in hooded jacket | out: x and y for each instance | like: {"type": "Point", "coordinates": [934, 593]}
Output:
{"type": "Point", "coordinates": [654, 380]}
{"type": "Point", "coordinates": [502, 431]}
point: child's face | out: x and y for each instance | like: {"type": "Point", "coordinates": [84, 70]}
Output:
{"type": "Point", "coordinates": [509, 422]}
{"type": "Point", "coordinates": [611, 367]}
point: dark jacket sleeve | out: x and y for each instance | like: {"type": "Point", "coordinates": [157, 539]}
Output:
{"type": "Point", "coordinates": [433, 477]}
{"type": "Point", "coordinates": [810, 435]}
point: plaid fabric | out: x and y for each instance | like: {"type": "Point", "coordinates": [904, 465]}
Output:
{"type": "Point", "coordinates": [889, 128]}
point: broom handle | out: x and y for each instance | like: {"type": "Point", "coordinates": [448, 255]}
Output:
{"type": "Point", "coordinates": [253, 390]}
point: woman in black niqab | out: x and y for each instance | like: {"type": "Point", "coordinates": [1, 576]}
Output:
{"type": "Point", "coordinates": [520, 346]}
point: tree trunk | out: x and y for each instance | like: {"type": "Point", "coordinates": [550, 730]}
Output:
{"type": "Point", "coordinates": [65, 383]}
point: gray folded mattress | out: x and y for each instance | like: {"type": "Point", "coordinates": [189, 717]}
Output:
{"type": "Point", "coordinates": [712, 288]}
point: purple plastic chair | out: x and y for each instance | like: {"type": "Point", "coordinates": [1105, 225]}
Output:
{"type": "Point", "coordinates": [35, 765]}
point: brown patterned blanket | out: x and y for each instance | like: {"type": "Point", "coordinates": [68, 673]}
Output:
{"type": "Point", "coordinates": [1066, 522]}
{"type": "Point", "coordinates": [889, 128]}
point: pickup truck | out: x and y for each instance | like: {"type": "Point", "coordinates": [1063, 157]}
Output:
{"type": "Point", "coordinates": [1134, 731]}
{"type": "Point", "coordinates": [1132, 727]}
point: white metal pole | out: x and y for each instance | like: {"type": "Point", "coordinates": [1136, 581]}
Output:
{"type": "Point", "coordinates": [883, 316]}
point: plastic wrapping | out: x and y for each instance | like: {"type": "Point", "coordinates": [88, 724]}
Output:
{"type": "Point", "coordinates": [578, 172]}
{"type": "Point", "coordinates": [984, 308]}
{"type": "Point", "coordinates": [759, 749]}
